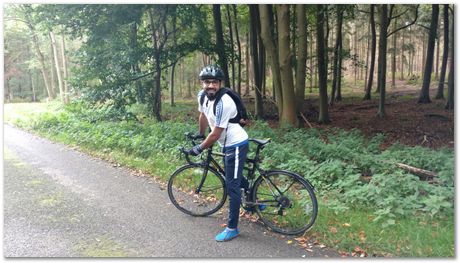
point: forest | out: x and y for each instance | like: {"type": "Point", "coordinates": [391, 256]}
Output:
{"type": "Point", "coordinates": [356, 95]}
{"type": "Point", "coordinates": [152, 53]}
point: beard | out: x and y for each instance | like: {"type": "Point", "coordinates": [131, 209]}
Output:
{"type": "Point", "coordinates": [211, 95]}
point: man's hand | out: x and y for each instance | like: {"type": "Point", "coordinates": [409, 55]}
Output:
{"type": "Point", "coordinates": [196, 150]}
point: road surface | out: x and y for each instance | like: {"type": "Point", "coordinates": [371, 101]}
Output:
{"type": "Point", "coordinates": [59, 202]}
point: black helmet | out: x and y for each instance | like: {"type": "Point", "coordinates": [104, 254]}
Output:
{"type": "Point", "coordinates": [211, 72]}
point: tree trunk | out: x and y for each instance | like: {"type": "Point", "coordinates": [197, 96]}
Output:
{"type": "Point", "coordinates": [301, 56]}
{"type": "Point", "coordinates": [58, 68]}
{"type": "Point", "coordinates": [425, 92]}
{"type": "Point", "coordinates": [156, 34]}
{"type": "Point", "coordinates": [173, 69]}
{"type": "Point", "coordinates": [323, 110]}
{"type": "Point", "coordinates": [248, 66]}
{"type": "Point", "coordinates": [135, 66]}
{"type": "Point", "coordinates": [436, 71]}
{"type": "Point", "coordinates": [338, 97]}
{"type": "Point", "coordinates": [367, 56]}
{"type": "Point", "coordinates": [254, 19]}
{"type": "Point", "coordinates": [232, 49]}
{"type": "Point", "coordinates": [311, 59]}
{"type": "Point", "coordinates": [64, 69]}
{"type": "Point", "coordinates": [41, 59]}
{"type": "Point", "coordinates": [402, 55]}
{"type": "Point", "coordinates": [445, 54]}
{"type": "Point", "coordinates": [239, 48]}
{"type": "Point", "coordinates": [373, 51]}
{"type": "Point", "coordinates": [382, 63]}
{"type": "Point", "coordinates": [335, 63]}
{"type": "Point", "coordinates": [393, 62]}
{"type": "Point", "coordinates": [272, 53]}
{"type": "Point", "coordinates": [289, 113]}
{"type": "Point", "coordinates": [355, 44]}
{"type": "Point", "coordinates": [220, 43]}
{"type": "Point", "coordinates": [32, 86]}
{"type": "Point", "coordinates": [52, 68]}
{"type": "Point", "coordinates": [450, 83]}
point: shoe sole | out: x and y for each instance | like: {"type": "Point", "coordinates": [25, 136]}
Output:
{"type": "Point", "coordinates": [225, 240]}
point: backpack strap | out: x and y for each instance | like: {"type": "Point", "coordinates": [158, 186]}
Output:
{"type": "Point", "coordinates": [222, 92]}
{"type": "Point", "coordinates": [202, 98]}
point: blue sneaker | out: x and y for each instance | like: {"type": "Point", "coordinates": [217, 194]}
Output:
{"type": "Point", "coordinates": [262, 207]}
{"type": "Point", "coordinates": [227, 235]}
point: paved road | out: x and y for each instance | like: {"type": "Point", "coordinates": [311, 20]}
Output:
{"type": "Point", "coordinates": [59, 202]}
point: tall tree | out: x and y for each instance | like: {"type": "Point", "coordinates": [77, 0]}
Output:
{"type": "Point", "coordinates": [337, 54]}
{"type": "Point", "coordinates": [301, 55]}
{"type": "Point", "coordinates": [220, 43]}
{"type": "Point", "coordinates": [320, 54]}
{"type": "Point", "coordinates": [238, 45]}
{"type": "Point", "coordinates": [445, 53]}
{"type": "Point", "coordinates": [382, 62]}
{"type": "Point", "coordinates": [393, 53]}
{"type": "Point", "coordinates": [289, 113]}
{"type": "Point", "coordinates": [257, 70]}
{"type": "Point", "coordinates": [27, 11]}
{"type": "Point", "coordinates": [450, 83]}
{"type": "Point", "coordinates": [425, 92]}
{"type": "Point", "coordinates": [370, 79]}
{"type": "Point", "coordinates": [232, 49]}
{"type": "Point", "coordinates": [58, 68]}
{"type": "Point", "coordinates": [64, 68]}
{"type": "Point", "coordinates": [272, 53]}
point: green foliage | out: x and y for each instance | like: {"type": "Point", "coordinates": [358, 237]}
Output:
{"type": "Point", "coordinates": [336, 168]}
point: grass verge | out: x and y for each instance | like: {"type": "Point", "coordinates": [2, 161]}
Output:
{"type": "Point", "coordinates": [343, 225]}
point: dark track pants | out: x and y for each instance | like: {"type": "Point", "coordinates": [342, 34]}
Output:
{"type": "Point", "coordinates": [235, 157]}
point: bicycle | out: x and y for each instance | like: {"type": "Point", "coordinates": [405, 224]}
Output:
{"type": "Point", "coordinates": [283, 200]}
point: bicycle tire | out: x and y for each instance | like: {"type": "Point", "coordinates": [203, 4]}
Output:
{"type": "Point", "coordinates": [182, 192]}
{"type": "Point", "coordinates": [290, 203]}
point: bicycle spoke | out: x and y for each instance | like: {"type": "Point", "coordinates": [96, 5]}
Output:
{"type": "Point", "coordinates": [290, 204]}
{"type": "Point", "coordinates": [197, 191]}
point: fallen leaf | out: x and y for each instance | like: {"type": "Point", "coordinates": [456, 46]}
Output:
{"type": "Point", "coordinates": [301, 239]}
{"type": "Point", "coordinates": [362, 236]}
{"type": "Point", "coordinates": [333, 230]}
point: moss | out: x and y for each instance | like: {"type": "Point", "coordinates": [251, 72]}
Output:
{"type": "Point", "coordinates": [100, 247]}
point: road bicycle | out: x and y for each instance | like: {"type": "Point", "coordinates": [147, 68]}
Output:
{"type": "Point", "coordinates": [284, 201]}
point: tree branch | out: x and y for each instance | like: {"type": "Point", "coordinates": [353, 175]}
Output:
{"type": "Point", "coordinates": [408, 25]}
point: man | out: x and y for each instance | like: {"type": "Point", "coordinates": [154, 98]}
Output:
{"type": "Point", "coordinates": [231, 136]}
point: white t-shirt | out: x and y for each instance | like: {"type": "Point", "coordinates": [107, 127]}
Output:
{"type": "Point", "coordinates": [225, 110]}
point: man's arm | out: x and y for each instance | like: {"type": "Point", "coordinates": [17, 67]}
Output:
{"type": "Point", "coordinates": [212, 138]}
{"type": "Point", "coordinates": [203, 123]}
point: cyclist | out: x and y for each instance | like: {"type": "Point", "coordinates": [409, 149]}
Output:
{"type": "Point", "coordinates": [231, 137]}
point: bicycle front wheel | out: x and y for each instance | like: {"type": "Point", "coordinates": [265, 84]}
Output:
{"type": "Point", "coordinates": [196, 190]}
{"type": "Point", "coordinates": [286, 202]}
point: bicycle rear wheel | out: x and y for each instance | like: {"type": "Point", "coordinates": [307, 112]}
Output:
{"type": "Point", "coordinates": [286, 202]}
{"type": "Point", "coordinates": [197, 191]}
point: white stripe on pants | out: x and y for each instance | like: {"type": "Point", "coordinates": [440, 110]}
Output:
{"type": "Point", "coordinates": [237, 161]}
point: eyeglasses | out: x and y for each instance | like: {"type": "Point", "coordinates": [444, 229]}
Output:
{"type": "Point", "coordinates": [209, 82]}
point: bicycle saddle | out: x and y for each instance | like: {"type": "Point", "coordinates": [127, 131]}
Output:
{"type": "Point", "coordinates": [260, 142]}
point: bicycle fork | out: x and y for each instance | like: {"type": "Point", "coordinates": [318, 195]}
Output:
{"type": "Point", "coordinates": [203, 179]}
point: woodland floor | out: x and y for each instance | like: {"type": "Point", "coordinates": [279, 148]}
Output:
{"type": "Point", "coordinates": [406, 121]}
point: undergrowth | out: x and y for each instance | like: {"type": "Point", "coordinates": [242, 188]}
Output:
{"type": "Point", "coordinates": [336, 163]}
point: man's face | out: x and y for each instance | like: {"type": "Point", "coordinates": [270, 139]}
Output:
{"type": "Point", "coordinates": [210, 87]}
